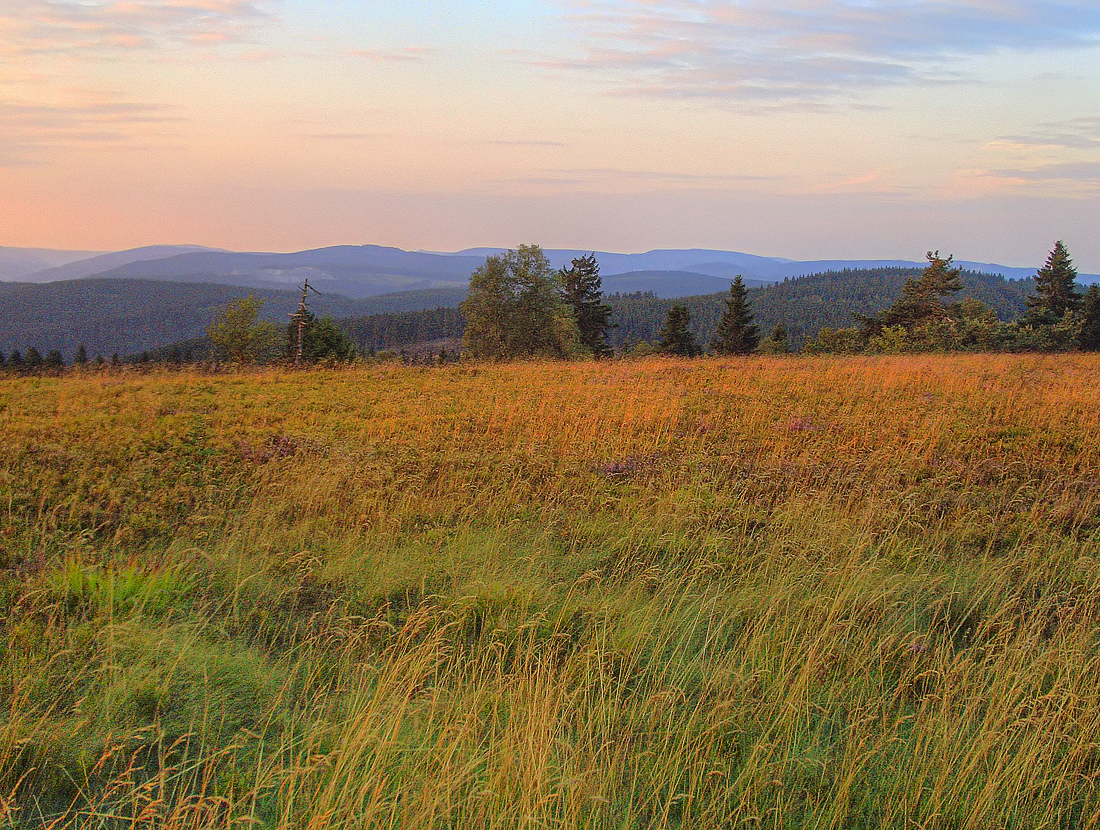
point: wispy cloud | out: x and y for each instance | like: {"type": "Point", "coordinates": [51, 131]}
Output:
{"type": "Point", "coordinates": [28, 131]}
{"type": "Point", "coordinates": [612, 178]}
{"type": "Point", "coordinates": [1080, 172]}
{"type": "Point", "coordinates": [99, 27]}
{"type": "Point", "coordinates": [797, 51]}
{"type": "Point", "coordinates": [408, 54]}
{"type": "Point", "coordinates": [1074, 134]}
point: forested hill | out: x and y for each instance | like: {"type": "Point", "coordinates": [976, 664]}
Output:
{"type": "Point", "coordinates": [129, 316]}
{"type": "Point", "coordinates": [804, 305]}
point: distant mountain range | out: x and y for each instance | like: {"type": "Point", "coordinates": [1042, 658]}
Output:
{"type": "Point", "coordinates": [20, 263]}
{"type": "Point", "coordinates": [370, 270]}
{"type": "Point", "coordinates": [144, 298]}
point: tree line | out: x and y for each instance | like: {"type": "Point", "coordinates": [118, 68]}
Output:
{"type": "Point", "coordinates": [519, 306]}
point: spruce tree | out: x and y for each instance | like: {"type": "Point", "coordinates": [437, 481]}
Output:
{"type": "Point", "coordinates": [1088, 338]}
{"type": "Point", "coordinates": [921, 299]}
{"type": "Point", "coordinates": [81, 358]}
{"type": "Point", "coordinates": [736, 332]}
{"type": "Point", "coordinates": [15, 361]}
{"type": "Point", "coordinates": [676, 338]}
{"type": "Point", "coordinates": [54, 361]}
{"type": "Point", "coordinates": [581, 291]}
{"type": "Point", "coordinates": [34, 359]}
{"type": "Point", "coordinates": [1054, 288]}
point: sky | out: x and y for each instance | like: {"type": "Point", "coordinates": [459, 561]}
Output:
{"type": "Point", "coordinates": [808, 130]}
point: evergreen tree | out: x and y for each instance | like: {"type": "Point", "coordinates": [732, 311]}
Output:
{"type": "Point", "coordinates": [16, 362]}
{"type": "Point", "coordinates": [54, 361]}
{"type": "Point", "coordinates": [1088, 338]}
{"type": "Point", "coordinates": [676, 338]}
{"type": "Point", "coordinates": [736, 332]}
{"type": "Point", "coordinates": [99, 362]}
{"type": "Point", "coordinates": [115, 362]}
{"type": "Point", "coordinates": [921, 299]}
{"type": "Point", "coordinates": [581, 290]}
{"type": "Point", "coordinates": [81, 358]}
{"type": "Point", "coordinates": [3, 361]}
{"type": "Point", "coordinates": [324, 340]}
{"type": "Point", "coordinates": [34, 359]}
{"type": "Point", "coordinates": [778, 342]}
{"type": "Point", "coordinates": [513, 309]}
{"type": "Point", "coordinates": [1054, 288]}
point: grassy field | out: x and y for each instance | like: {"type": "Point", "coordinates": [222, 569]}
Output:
{"type": "Point", "coordinates": [789, 592]}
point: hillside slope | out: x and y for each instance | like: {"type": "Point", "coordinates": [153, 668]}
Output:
{"type": "Point", "coordinates": [127, 316]}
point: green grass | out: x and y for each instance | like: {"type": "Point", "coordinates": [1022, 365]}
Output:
{"type": "Point", "coordinates": [827, 593]}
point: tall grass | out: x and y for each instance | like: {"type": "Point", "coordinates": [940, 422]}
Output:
{"type": "Point", "coordinates": [829, 593]}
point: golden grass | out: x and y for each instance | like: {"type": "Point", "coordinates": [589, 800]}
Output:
{"type": "Point", "coordinates": [770, 592]}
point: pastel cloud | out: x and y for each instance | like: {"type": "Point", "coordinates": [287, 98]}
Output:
{"type": "Point", "coordinates": [807, 50]}
{"type": "Point", "coordinates": [65, 27]}
{"type": "Point", "coordinates": [409, 54]}
{"type": "Point", "coordinates": [28, 129]}
{"type": "Point", "coordinates": [1074, 134]}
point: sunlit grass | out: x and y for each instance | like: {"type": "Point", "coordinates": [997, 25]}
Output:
{"type": "Point", "coordinates": [770, 592]}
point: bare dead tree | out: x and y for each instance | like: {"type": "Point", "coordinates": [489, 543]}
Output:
{"type": "Point", "coordinates": [302, 316]}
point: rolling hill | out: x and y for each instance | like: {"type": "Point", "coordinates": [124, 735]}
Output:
{"type": "Point", "coordinates": [128, 316]}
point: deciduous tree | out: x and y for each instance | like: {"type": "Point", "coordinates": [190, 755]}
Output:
{"type": "Point", "coordinates": [236, 332]}
{"type": "Point", "coordinates": [513, 309]}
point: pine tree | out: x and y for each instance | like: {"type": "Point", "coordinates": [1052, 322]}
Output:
{"type": "Point", "coordinates": [676, 338]}
{"type": "Point", "coordinates": [921, 299]}
{"type": "Point", "coordinates": [581, 290]}
{"type": "Point", "coordinates": [778, 342]}
{"type": "Point", "coordinates": [53, 360]}
{"type": "Point", "coordinates": [736, 333]}
{"type": "Point", "coordinates": [1054, 288]}
{"type": "Point", "coordinates": [321, 340]}
{"type": "Point", "coordinates": [16, 362]}
{"type": "Point", "coordinates": [1088, 338]}
{"type": "Point", "coordinates": [34, 359]}
{"type": "Point", "coordinates": [81, 358]}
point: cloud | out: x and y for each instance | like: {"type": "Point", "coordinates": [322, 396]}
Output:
{"type": "Point", "coordinates": [103, 27]}
{"type": "Point", "coordinates": [409, 54]}
{"type": "Point", "coordinates": [611, 178]}
{"type": "Point", "coordinates": [1074, 134]}
{"type": "Point", "coordinates": [797, 51]}
{"type": "Point", "coordinates": [1080, 172]}
{"type": "Point", "coordinates": [30, 130]}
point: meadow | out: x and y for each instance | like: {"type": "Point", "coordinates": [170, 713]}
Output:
{"type": "Point", "coordinates": [767, 592]}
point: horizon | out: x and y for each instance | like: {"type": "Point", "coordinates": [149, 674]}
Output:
{"type": "Point", "coordinates": [807, 131]}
